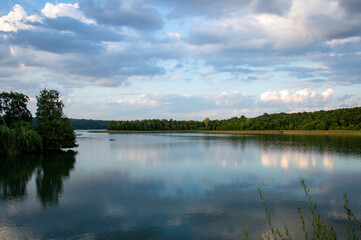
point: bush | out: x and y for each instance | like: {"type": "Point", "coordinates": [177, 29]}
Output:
{"type": "Point", "coordinates": [28, 140]}
{"type": "Point", "coordinates": [21, 139]}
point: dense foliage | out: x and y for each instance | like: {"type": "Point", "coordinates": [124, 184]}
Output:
{"type": "Point", "coordinates": [6, 138]}
{"type": "Point", "coordinates": [339, 119]}
{"type": "Point", "coordinates": [52, 125]}
{"type": "Point", "coordinates": [18, 135]}
{"type": "Point", "coordinates": [13, 108]}
{"type": "Point", "coordinates": [88, 124]}
{"type": "Point", "coordinates": [27, 139]}
{"type": "Point", "coordinates": [16, 132]}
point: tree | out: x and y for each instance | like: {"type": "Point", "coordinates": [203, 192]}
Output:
{"type": "Point", "coordinates": [206, 123]}
{"type": "Point", "coordinates": [13, 108]}
{"type": "Point", "coordinates": [52, 124]}
{"type": "Point", "coordinates": [17, 135]}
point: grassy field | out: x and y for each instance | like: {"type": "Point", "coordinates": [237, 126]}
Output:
{"type": "Point", "coordinates": [291, 132]}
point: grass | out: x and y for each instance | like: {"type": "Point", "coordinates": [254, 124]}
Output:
{"type": "Point", "coordinates": [291, 132]}
{"type": "Point", "coordinates": [321, 229]}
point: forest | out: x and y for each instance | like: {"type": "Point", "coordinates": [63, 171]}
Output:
{"type": "Point", "coordinates": [88, 124]}
{"type": "Point", "coordinates": [338, 119]}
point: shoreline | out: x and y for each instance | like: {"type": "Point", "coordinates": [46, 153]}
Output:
{"type": "Point", "coordinates": [276, 132]}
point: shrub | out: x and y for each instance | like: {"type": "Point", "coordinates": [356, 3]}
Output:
{"type": "Point", "coordinates": [28, 140]}
{"type": "Point", "coordinates": [21, 139]}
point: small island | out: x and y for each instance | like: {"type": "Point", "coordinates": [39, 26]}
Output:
{"type": "Point", "coordinates": [20, 133]}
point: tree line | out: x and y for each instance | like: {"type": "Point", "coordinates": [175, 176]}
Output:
{"type": "Point", "coordinates": [338, 119]}
{"type": "Point", "coordinates": [88, 124]}
{"type": "Point", "coordinates": [52, 130]}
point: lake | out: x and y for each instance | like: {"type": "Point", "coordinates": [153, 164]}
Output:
{"type": "Point", "coordinates": [178, 186]}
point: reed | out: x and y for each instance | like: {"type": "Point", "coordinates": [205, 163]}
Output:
{"type": "Point", "coordinates": [321, 229]}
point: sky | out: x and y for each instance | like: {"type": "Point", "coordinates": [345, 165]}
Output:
{"type": "Point", "coordinates": [183, 59]}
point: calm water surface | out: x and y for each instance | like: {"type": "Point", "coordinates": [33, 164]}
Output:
{"type": "Point", "coordinates": [177, 186]}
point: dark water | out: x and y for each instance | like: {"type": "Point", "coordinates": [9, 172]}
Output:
{"type": "Point", "coordinates": [177, 186]}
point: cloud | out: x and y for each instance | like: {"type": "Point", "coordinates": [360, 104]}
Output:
{"type": "Point", "coordinates": [17, 19]}
{"type": "Point", "coordinates": [312, 31]}
{"type": "Point", "coordinates": [64, 34]}
{"type": "Point", "coordinates": [134, 14]}
{"type": "Point", "coordinates": [109, 68]}
{"type": "Point", "coordinates": [304, 72]}
{"type": "Point", "coordinates": [209, 46]}
{"type": "Point", "coordinates": [300, 97]}
{"type": "Point", "coordinates": [71, 51]}
{"type": "Point", "coordinates": [64, 10]}
{"type": "Point", "coordinates": [335, 42]}
{"type": "Point", "coordinates": [305, 23]}
{"type": "Point", "coordinates": [176, 106]}
{"type": "Point", "coordinates": [180, 103]}
{"type": "Point", "coordinates": [303, 100]}
{"type": "Point", "coordinates": [53, 41]}
{"type": "Point", "coordinates": [329, 93]}
{"type": "Point", "coordinates": [351, 6]}
{"type": "Point", "coordinates": [214, 106]}
{"type": "Point", "coordinates": [193, 8]}
{"type": "Point", "coordinates": [343, 62]}
{"type": "Point", "coordinates": [278, 7]}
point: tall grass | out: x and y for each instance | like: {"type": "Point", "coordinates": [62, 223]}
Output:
{"type": "Point", "coordinates": [321, 229]}
{"type": "Point", "coordinates": [6, 137]}
{"type": "Point", "coordinates": [22, 138]}
{"type": "Point", "coordinates": [28, 140]}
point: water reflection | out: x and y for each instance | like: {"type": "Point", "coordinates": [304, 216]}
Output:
{"type": "Point", "coordinates": [342, 144]}
{"type": "Point", "coordinates": [15, 173]}
{"type": "Point", "coordinates": [49, 169]}
{"type": "Point", "coordinates": [297, 159]}
{"type": "Point", "coordinates": [181, 186]}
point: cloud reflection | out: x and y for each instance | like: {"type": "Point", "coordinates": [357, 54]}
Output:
{"type": "Point", "coordinates": [192, 186]}
{"type": "Point", "coordinates": [297, 160]}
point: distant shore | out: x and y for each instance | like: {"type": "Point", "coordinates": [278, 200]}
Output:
{"type": "Point", "coordinates": [288, 132]}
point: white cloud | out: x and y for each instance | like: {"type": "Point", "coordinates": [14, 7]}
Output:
{"type": "Point", "coordinates": [328, 93]}
{"type": "Point", "coordinates": [64, 10]}
{"type": "Point", "coordinates": [16, 20]}
{"type": "Point", "coordinates": [269, 96]}
{"type": "Point", "coordinates": [335, 42]}
{"type": "Point", "coordinates": [300, 97]}
{"type": "Point", "coordinates": [306, 22]}
{"type": "Point", "coordinates": [142, 100]}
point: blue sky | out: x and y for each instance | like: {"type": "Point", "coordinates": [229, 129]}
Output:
{"type": "Point", "coordinates": [183, 59]}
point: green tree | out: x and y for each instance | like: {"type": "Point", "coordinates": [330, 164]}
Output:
{"type": "Point", "coordinates": [206, 123]}
{"type": "Point", "coordinates": [52, 124]}
{"type": "Point", "coordinates": [13, 108]}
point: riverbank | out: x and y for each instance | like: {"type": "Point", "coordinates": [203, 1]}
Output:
{"type": "Point", "coordinates": [291, 132]}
